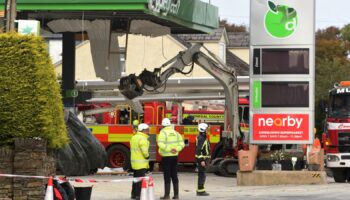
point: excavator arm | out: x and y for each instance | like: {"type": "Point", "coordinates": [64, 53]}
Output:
{"type": "Point", "coordinates": [133, 86]}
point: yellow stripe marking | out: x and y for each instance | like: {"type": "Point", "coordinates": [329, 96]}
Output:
{"type": "Point", "coordinates": [214, 138]}
{"type": "Point", "coordinates": [119, 137]}
{"type": "Point", "coordinates": [99, 129]}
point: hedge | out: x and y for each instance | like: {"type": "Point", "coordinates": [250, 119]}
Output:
{"type": "Point", "coordinates": [30, 99]}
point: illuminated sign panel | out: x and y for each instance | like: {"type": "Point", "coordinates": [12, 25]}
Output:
{"type": "Point", "coordinates": [282, 71]}
{"type": "Point", "coordinates": [277, 127]}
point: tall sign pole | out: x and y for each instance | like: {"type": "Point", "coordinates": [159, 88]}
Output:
{"type": "Point", "coordinates": [282, 71]}
{"type": "Point", "coordinates": [10, 15]}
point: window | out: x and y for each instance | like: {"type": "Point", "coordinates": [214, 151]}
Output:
{"type": "Point", "coordinates": [222, 51]}
{"type": "Point", "coordinates": [122, 61]}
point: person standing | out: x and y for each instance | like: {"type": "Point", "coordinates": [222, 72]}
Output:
{"type": "Point", "coordinates": [170, 143]}
{"type": "Point", "coordinates": [202, 157]}
{"type": "Point", "coordinates": [139, 147]}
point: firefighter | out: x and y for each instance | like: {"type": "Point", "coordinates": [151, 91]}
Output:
{"type": "Point", "coordinates": [170, 143]}
{"type": "Point", "coordinates": [202, 157]}
{"type": "Point", "coordinates": [139, 147]}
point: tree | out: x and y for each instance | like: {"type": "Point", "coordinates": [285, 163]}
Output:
{"type": "Point", "coordinates": [233, 27]}
{"type": "Point", "coordinates": [345, 33]}
{"type": "Point", "coordinates": [332, 64]}
{"type": "Point", "coordinates": [330, 33]}
{"type": "Point", "coordinates": [328, 72]}
{"type": "Point", "coordinates": [30, 99]}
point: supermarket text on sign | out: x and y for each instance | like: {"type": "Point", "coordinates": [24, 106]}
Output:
{"type": "Point", "coordinates": [273, 127]}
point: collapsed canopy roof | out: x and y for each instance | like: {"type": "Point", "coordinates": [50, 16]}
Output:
{"type": "Point", "coordinates": [104, 19]}
{"type": "Point", "coordinates": [181, 16]}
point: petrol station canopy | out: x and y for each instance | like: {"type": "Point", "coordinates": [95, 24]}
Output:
{"type": "Point", "coordinates": [180, 16]}
{"type": "Point", "coordinates": [102, 21]}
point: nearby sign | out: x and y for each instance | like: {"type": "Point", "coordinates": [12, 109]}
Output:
{"type": "Point", "coordinates": [282, 71]}
{"type": "Point", "coordinates": [270, 127]}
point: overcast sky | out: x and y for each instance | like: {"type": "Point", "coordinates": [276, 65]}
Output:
{"type": "Point", "coordinates": [328, 12]}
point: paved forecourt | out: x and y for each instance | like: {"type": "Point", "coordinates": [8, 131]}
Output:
{"type": "Point", "coordinates": [220, 188]}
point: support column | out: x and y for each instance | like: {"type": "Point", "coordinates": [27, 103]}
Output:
{"type": "Point", "coordinates": [179, 113]}
{"type": "Point", "coordinates": [68, 70]}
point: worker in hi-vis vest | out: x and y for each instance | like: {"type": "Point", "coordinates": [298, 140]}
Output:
{"type": "Point", "coordinates": [170, 143]}
{"type": "Point", "coordinates": [139, 148]}
{"type": "Point", "coordinates": [202, 157]}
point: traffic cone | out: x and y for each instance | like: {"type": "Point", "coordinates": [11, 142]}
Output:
{"type": "Point", "coordinates": [49, 190]}
{"type": "Point", "coordinates": [150, 189]}
{"type": "Point", "coordinates": [144, 190]}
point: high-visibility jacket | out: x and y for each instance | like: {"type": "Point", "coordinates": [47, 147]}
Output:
{"type": "Point", "coordinates": [139, 146]}
{"type": "Point", "coordinates": [169, 139]}
{"type": "Point", "coordinates": [202, 148]}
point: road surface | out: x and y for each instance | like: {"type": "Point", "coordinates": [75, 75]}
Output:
{"type": "Point", "coordinates": [220, 188]}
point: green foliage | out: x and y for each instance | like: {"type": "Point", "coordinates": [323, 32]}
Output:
{"type": "Point", "coordinates": [332, 64]}
{"type": "Point", "coordinates": [328, 72]}
{"type": "Point", "coordinates": [233, 27]}
{"type": "Point", "coordinates": [280, 155]}
{"type": "Point", "coordinates": [345, 33]}
{"type": "Point", "coordinates": [330, 33]}
{"type": "Point", "coordinates": [30, 100]}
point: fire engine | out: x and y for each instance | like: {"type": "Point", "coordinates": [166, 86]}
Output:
{"type": "Point", "coordinates": [114, 129]}
{"type": "Point", "coordinates": [336, 139]}
{"type": "Point", "coordinates": [231, 138]}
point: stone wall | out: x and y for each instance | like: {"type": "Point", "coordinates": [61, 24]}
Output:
{"type": "Point", "coordinates": [29, 157]}
{"type": "Point", "coordinates": [6, 167]}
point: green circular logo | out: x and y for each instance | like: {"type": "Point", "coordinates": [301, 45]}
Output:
{"type": "Point", "coordinates": [281, 21]}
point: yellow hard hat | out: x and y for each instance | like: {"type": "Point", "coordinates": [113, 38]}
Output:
{"type": "Point", "coordinates": [135, 122]}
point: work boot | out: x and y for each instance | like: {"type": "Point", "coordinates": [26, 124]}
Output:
{"type": "Point", "coordinates": [202, 194]}
{"type": "Point", "coordinates": [166, 192]}
{"type": "Point", "coordinates": [176, 191]}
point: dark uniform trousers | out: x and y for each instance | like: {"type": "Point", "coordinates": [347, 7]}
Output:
{"type": "Point", "coordinates": [169, 165]}
{"type": "Point", "coordinates": [202, 154]}
{"type": "Point", "coordinates": [136, 186]}
{"type": "Point", "coordinates": [201, 177]}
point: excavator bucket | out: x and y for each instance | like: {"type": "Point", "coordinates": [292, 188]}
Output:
{"type": "Point", "coordinates": [130, 86]}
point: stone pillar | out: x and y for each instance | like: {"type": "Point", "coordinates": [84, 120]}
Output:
{"type": "Point", "coordinates": [31, 158]}
{"type": "Point", "coordinates": [6, 167]}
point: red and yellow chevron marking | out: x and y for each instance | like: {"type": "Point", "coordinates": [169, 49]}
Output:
{"type": "Point", "coordinates": [105, 133]}
{"type": "Point", "coordinates": [120, 133]}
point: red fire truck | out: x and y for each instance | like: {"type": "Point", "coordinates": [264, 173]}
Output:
{"type": "Point", "coordinates": [337, 132]}
{"type": "Point", "coordinates": [114, 129]}
{"type": "Point", "coordinates": [225, 142]}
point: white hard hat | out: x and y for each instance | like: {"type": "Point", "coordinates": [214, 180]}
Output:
{"type": "Point", "coordinates": [166, 122]}
{"type": "Point", "coordinates": [142, 127]}
{"type": "Point", "coordinates": [202, 127]}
